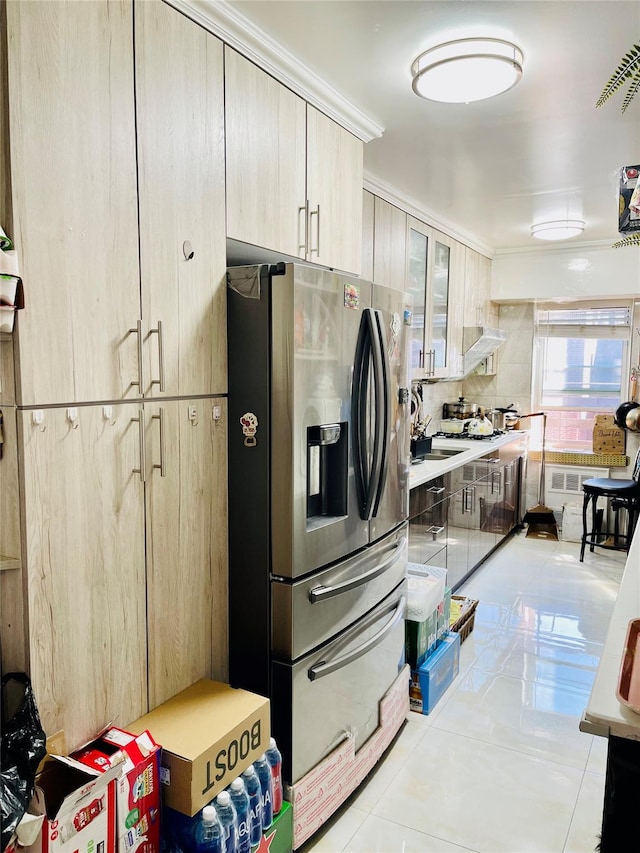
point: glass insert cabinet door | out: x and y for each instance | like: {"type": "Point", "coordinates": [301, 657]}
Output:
{"type": "Point", "coordinates": [440, 303]}
{"type": "Point", "coordinates": [429, 266]}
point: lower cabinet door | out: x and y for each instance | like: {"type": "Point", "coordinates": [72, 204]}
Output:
{"type": "Point", "coordinates": [186, 533]}
{"type": "Point", "coordinates": [336, 688]}
{"type": "Point", "coordinates": [83, 526]}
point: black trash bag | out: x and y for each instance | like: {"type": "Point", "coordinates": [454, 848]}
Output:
{"type": "Point", "coordinates": [22, 748]}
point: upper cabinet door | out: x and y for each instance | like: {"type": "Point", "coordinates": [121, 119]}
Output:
{"type": "Point", "coordinates": [180, 127]}
{"type": "Point", "coordinates": [73, 182]}
{"type": "Point", "coordinates": [390, 245]}
{"type": "Point", "coordinates": [265, 157]}
{"type": "Point", "coordinates": [334, 193]}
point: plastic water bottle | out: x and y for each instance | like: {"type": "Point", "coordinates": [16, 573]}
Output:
{"type": "Point", "coordinates": [274, 759]}
{"type": "Point", "coordinates": [228, 819]}
{"type": "Point", "coordinates": [209, 833]}
{"type": "Point", "coordinates": [266, 783]}
{"type": "Point", "coordinates": [240, 800]}
{"type": "Point", "coordinates": [254, 790]}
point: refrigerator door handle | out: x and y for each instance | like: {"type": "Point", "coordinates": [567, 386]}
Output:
{"type": "Point", "coordinates": [322, 593]}
{"type": "Point", "coordinates": [359, 397]}
{"type": "Point", "coordinates": [326, 668]}
{"type": "Point", "coordinates": [382, 380]}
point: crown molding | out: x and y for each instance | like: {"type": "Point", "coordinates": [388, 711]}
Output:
{"type": "Point", "coordinates": [416, 209]}
{"type": "Point", "coordinates": [221, 19]}
{"type": "Point", "coordinates": [566, 246]}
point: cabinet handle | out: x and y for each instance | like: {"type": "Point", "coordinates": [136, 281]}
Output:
{"type": "Point", "coordinates": [468, 499]}
{"type": "Point", "coordinates": [436, 490]}
{"type": "Point", "coordinates": [432, 362]}
{"type": "Point", "coordinates": [421, 359]}
{"type": "Point", "coordinates": [158, 331]}
{"type": "Point", "coordinates": [508, 480]}
{"type": "Point", "coordinates": [141, 446]}
{"type": "Point", "coordinates": [302, 247]}
{"type": "Point", "coordinates": [435, 531]}
{"type": "Point", "coordinates": [160, 418]}
{"type": "Point", "coordinates": [138, 331]}
{"type": "Point", "coordinates": [315, 212]}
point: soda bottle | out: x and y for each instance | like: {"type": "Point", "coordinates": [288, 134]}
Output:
{"type": "Point", "coordinates": [209, 833]}
{"type": "Point", "coordinates": [266, 783]}
{"type": "Point", "coordinates": [228, 819]}
{"type": "Point", "coordinates": [254, 790]}
{"type": "Point", "coordinates": [240, 800]}
{"type": "Point", "coordinates": [274, 759]}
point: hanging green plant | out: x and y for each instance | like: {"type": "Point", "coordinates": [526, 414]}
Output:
{"type": "Point", "coordinates": [631, 240]}
{"type": "Point", "coordinates": [628, 70]}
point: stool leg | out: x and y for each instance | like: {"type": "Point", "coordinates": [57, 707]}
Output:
{"type": "Point", "coordinates": [585, 504]}
{"type": "Point", "coordinates": [594, 523]}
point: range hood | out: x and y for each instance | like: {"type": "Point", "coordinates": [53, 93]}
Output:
{"type": "Point", "coordinates": [479, 342]}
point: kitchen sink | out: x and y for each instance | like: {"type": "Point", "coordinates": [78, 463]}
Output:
{"type": "Point", "coordinates": [439, 453]}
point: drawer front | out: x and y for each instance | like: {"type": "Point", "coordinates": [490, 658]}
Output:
{"type": "Point", "coordinates": [428, 494]}
{"type": "Point", "coordinates": [337, 688]}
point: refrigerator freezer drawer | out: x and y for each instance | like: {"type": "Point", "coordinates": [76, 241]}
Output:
{"type": "Point", "coordinates": [309, 612]}
{"type": "Point", "coordinates": [337, 688]}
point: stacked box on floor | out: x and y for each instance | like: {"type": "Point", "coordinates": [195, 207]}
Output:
{"type": "Point", "coordinates": [430, 681]}
{"type": "Point", "coordinates": [425, 598]}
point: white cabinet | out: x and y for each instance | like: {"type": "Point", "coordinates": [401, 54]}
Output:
{"type": "Point", "coordinates": [368, 204]}
{"type": "Point", "coordinates": [434, 281]}
{"type": "Point", "coordinates": [477, 289]}
{"type": "Point", "coordinates": [294, 176]}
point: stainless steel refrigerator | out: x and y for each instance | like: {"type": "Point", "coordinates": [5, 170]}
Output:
{"type": "Point", "coordinates": [318, 500]}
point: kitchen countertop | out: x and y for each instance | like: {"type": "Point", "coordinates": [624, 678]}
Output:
{"type": "Point", "coordinates": [428, 469]}
{"type": "Point", "coordinates": [605, 715]}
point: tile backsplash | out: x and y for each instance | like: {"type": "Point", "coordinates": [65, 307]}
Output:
{"type": "Point", "coordinates": [512, 380]}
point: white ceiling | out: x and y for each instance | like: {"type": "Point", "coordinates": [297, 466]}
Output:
{"type": "Point", "coordinates": [491, 168]}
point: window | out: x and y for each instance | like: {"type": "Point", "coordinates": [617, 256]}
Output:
{"type": "Point", "coordinates": [582, 367]}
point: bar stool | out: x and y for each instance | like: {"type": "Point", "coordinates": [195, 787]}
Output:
{"type": "Point", "coordinates": [624, 494]}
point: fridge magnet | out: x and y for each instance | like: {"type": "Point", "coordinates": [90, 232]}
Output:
{"type": "Point", "coordinates": [249, 428]}
{"type": "Point", "coordinates": [351, 296]}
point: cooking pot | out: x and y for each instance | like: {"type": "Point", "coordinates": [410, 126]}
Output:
{"type": "Point", "coordinates": [622, 411]}
{"type": "Point", "coordinates": [454, 426]}
{"type": "Point", "coordinates": [460, 409]}
{"type": "Point", "coordinates": [505, 418]}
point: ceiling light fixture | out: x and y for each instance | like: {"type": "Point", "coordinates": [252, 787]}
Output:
{"type": "Point", "coordinates": [560, 229]}
{"type": "Point", "coordinates": [466, 70]}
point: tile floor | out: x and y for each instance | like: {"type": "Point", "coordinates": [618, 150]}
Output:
{"type": "Point", "coordinates": [500, 765]}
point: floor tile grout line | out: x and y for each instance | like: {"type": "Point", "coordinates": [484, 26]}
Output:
{"type": "Point", "coordinates": [420, 832]}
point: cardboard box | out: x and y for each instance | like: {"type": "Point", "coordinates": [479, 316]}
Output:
{"type": "Point", "coordinates": [137, 787]}
{"type": "Point", "coordinates": [430, 681]}
{"type": "Point", "coordinates": [279, 837]}
{"type": "Point", "coordinates": [209, 733]}
{"type": "Point", "coordinates": [80, 807]}
{"type": "Point", "coordinates": [629, 200]}
{"type": "Point", "coordinates": [607, 435]}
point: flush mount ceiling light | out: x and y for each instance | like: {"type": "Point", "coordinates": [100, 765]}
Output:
{"type": "Point", "coordinates": [560, 229]}
{"type": "Point", "coordinates": [466, 70]}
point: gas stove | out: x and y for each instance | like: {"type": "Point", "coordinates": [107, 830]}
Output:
{"type": "Point", "coordinates": [465, 435]}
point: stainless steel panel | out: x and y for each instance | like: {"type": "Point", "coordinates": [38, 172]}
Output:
{"type": "Point", "coordinates": [337, 688]}
{"type": "Point", "coordinates": [314, 330]}
{"type": "Point", "coordinates": [311, 611]}
{"type": "Point", "coordinates": [394, 505]}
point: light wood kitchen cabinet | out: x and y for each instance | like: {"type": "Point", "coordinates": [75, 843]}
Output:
{"type": "Point", "coordinates": [265, 128]}
{"type": "Point", "coordinates": [186, 530]}
{"type": "Point", "coordinates": [294, 176]}
{"type": "Point", "coordinates": [180, 143]}
{"type": "Point", "coordinates": [390, 245]}
{"type": "Point", "coordinates": [368, 203]}
{"type": "Point", "coordinates": [72, 167]}
{"type": "Point", "coordinates": [84, 554]}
